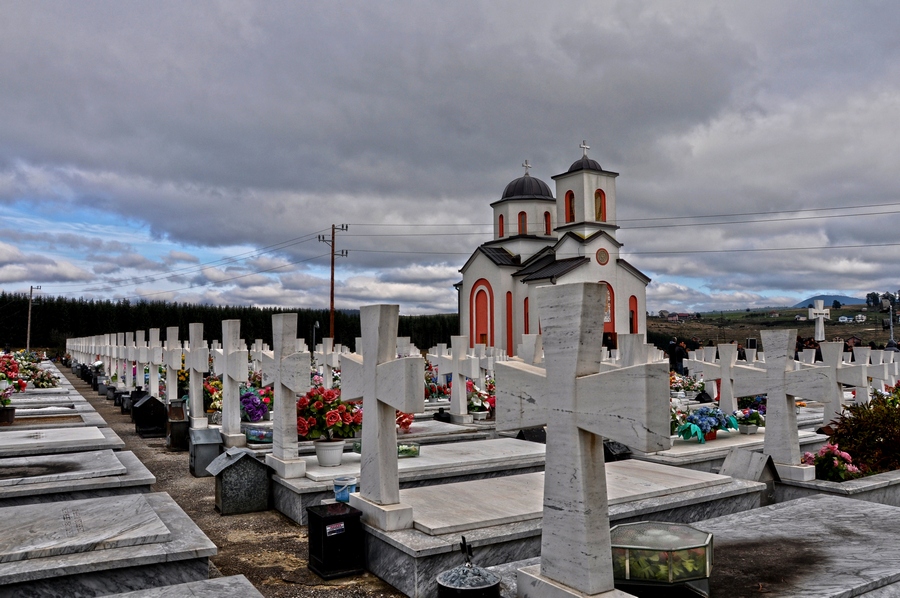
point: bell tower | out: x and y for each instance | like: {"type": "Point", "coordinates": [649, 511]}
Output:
{"type": "Point", "coordinates": [586, 198]}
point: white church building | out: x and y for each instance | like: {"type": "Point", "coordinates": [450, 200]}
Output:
{"type": "Point", "coordinates": [539, 240]}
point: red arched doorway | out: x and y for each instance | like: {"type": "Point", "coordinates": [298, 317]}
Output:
{"type": "Point", "coordinates": [481, 314]}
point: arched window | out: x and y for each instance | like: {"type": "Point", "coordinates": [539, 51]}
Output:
{"type": "Point", "coordinates": [548, 228]}
{"type": "Point", "coordinates": [633, 314]}
{"type": "Point", "coordinates": [526, 316]}
{"type": "Point", "coordinates": [500, 223]}
{"type": "Point", "coordinates": [600, 205]}
{"type": "Point", "coordinates": [523, 223]}
{"type": "Point", "coordinates": [570, 207]}
{"type": "Point", "coordinates": [609, 319]}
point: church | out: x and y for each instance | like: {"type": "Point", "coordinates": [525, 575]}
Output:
{"type": "Point", "coordinates": [540, 239]}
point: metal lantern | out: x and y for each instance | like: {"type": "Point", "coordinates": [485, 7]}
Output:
{"type": "Point", "coordinates": [659, 553]}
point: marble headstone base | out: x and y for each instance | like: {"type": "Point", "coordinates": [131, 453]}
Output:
{"type": "Point", "coordinates": [882, 488]}
{"type": "Point", "coordinates": [183, 557]}
{"type": "Point", "coordinates": [71, 476]}
{"type": "Point", "coordinates": [410, 559]}
{"type": "Point", "coordinates": [235, 586]}
{"type": "Point", "coordinates": [691, 454]}
{"type": "Point", "coordinates": [437, 464]}
{"type": "Point", "coordinates": [46, 418]}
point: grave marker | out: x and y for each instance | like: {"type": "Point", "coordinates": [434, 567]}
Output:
{"type": "Point", "coordinates": [584, 406]}
{"type": "Point", "coordinates": [129, 361]}
{"type": "Point", "coordinates": [197, 360]}
{"type": "Point", "coordinates": [819, 314]}
{"type": "Point", "coordinates": [385, 383]}
{"type": "Point", "coordinates": [289, 371]}
{"type": "Point", "coordinates": [155, 359]}
{"type": "Point", "coordinates": [234, 361]}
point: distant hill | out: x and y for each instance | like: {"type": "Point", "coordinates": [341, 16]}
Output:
{"type": "Point", "coordinates": [829, 300]}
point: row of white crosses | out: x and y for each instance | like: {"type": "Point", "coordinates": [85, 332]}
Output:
{"type": "Point", "coordinates": [581, 398]}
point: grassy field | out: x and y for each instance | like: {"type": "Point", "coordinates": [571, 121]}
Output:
{"type": "Point", "coordinates": [739, 326]}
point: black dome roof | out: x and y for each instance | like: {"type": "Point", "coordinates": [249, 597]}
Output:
{"type": "Point", "coordinates": [527, 187]}
{"type": "Point", "coordinates": [584, 163]}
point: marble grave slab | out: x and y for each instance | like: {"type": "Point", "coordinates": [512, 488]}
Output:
{"type": "Point", "coordinates": [39, 469]}
{"type": "Point", "coordinates": [34, 531]}
{"type": "Point", "coordinates": [16, 442]}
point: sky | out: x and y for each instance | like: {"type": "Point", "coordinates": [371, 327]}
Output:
{"type": "Point", "coordinates": [195, 151]}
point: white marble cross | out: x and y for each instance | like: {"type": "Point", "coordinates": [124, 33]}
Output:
{"type": "Point", "coordinates": [289, 371]}
{"type": "Point", "coordinates": [155, 359]}
{"type": "Point", "coordinates": [580, 405]}
{"type": "Point", "coordinates": [172, 359]}
{"type": "Point", "coordinates": [819, 314]}
{"type": "Point", "coordinates": [461, 367]}
{"type": "Point", "coordinates": [141, 357]}
{"type": "Point", "coordinates": [234, 356]}
{"type": "Point", "coordinates": [722, 370]}
{"type": "Point", "coordinates": [218, 358]}
{"type": "Point", "coordinates": [832, 357]}
{"type": "Point", "coordinates": [130, 357]}
{"type": "Point", "coordinates": [327, 358]}
{"type": "Point", "coordinates": [385, 383]}
{"type": "Point", "coordinates": [861, 356]}
{"type": "Point", "coordinates": [780, 382]}
{"type": "Point", "coordinates": [118, 361]}
{"type": "Point", "coordinates": [442, 360]}
{"type": "Point", "coordinates": [197, 362]}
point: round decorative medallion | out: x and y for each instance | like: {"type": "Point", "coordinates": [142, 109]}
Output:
{"type": "Point", "coordinates": [602, 257]}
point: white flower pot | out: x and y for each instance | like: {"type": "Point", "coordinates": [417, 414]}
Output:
{"type": "Point", "coordinates": [747, 428]}
{"type": "Point", "coordinates": [478, 414]}
{"type": "Point", "coordinates": [329, 452]}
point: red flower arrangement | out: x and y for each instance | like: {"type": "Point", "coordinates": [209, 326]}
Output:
{"type": "Point", "coordinates": [321, 415]}
{"type": "Point", "coordinates": [404, 421]}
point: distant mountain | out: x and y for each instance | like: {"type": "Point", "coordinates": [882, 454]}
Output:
{"type": "Point", "coordinates": [829, 300]}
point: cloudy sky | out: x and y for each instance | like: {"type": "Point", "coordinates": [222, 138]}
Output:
{"type": "Point", "coordinates": [194, 151]}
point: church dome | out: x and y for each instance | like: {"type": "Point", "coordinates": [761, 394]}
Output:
{"type": "Point", "coordinates": [527, 187]}
{"type": "Point", "coordinates": [585, 163]}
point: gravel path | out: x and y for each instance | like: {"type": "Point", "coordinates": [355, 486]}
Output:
{"type": "Point", "coordinates": [268, 548]}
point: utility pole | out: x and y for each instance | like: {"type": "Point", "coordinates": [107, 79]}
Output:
{"type": "Point", "coordinates": [28, 331]}
{"type": "Point", "coordinates": [341, 253]}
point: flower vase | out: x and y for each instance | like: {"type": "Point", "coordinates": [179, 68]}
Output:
{"type": "Point", "coordinates": [747, 428]}
{"type": "Point", "coordinates": [7, 415]}
{"type": "Point", "coordinates": [690, 395]}
{"type": "Point", "coordinates": [329, 452]}
{"type": "Point", "coordinates": [268, 416]}
{"type": "Point", "coordinates": [711, 435]}
{"type": "Point", "coordinates": [478, 414]}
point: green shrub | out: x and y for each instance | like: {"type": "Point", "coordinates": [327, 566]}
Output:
{"type": "Point", "coordinates": [871, 433]}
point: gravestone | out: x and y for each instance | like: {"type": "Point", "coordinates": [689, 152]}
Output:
{"type": "Point", "coordinates": [327, 357]}
{"type": "Point", "coordinates": [198, 363]}
{"type": "Point", "coordinates": [129, 361]}
{"type": "Point", "coordinates": [531, 349]}
{"type": "Point", "coordinates": [289, 371]}
{"type": "Point", "coordinates": [141, 359]}
{"type": "Point", "coordinates": [780, 382]}
{"type": "Point", "coordinates": [460, 367]}
{"type": "Point", "coordinates": [234, 361]}
{"type": "Point", "coordinates": [861, 356]}
{"type": "Point", "coordinates": [819, 313]}
{"type": "Point", "coordinates": [579, 407]}
{"type": "Point", "coordinates": [242, 482]}
{"type": "Point", "coordinates": [155, 359]}
{"type": "Point", "coordinates": [150, 415]}
{"type": "Point", "coordinates": [385, 383]}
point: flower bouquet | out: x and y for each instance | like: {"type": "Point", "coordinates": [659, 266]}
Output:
{"type": "Point", "coordinates": [704, 422]}
{"type": "Point", "coordinates": [212, 394]}
{"type": "Point", "coordinates": [477, 399]}
{"type": "Point", "coordinates": [254, 407]}
{"type": "Point", "coordinates": [749, 417]}
{"type": "Point", "coordinates": [433, 390]}
{"type": "Point", "coordinates": [321, 415]}
{"type": "Point", "coordinates": [832, 464]}
{"type": "Point", "coordinates": [404, 421]}
{"type": "Point", "coordinates": [44, 379]}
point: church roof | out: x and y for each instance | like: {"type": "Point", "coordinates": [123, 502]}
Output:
{"type": "Point", "coordinates": [527, 187]}
{"type": "Point", "coordinates": [556, 268]}
{"type": "Point", "coordinates": [500, 256]}
{"type": "Point", "coordinates": [540, 260]}
{"type": "Point", "coordinates": [585, 163]}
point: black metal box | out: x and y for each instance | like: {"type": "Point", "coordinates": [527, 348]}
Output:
{"type": "Point", "coordinates": [336, 544]}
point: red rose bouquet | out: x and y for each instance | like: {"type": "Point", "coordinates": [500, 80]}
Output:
{"type": "Point", "coordinates": [321, 415]}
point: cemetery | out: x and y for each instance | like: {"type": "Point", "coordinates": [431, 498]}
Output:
{"type": "Point", "coordinates": [575, 461]}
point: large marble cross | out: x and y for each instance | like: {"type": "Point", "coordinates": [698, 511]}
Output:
{"type": "Point", "coordinates": [385, 383]}
{"type": "Point", "coordinates": [861, 356]}
{"type": "Point", "coordinates": [844, 373]}
{"type": "Point", "coordinates": [461, 367]}
{"type": "Point", "coordinates": [141, 358]}
{"type": "Point", "coordinates": [289, 371]}
{"type": "Point", "coordinates": [234, 357]}
{"type": "Point", "coordinates": [780, 382]}
{"type": "Point", "coordinates": [819, 314]}
{"type": "Point", "coordinates": [118, 360]}
{"type": "Point", "coordinates": [172, 358]}
{"type": "Point", "coordinates": [197, 362]}
{"type": "Point", "coordinates": [442, 360]}
{"type": "Point", "coordinates": [129, 361]}
{"type": "Point", "coordinates": [327, 357]}
{"type": "Point", "coordinates": [155, 359]}
{"type": "Point", "coordinates": [723, 370]}
{"type": "Point", "coordinates": [580, 405]}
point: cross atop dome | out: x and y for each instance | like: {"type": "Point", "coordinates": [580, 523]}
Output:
{"type": "Point", "coordinates": [585, 147]}
{"type": "Point", "coordinates": [526, 166]}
